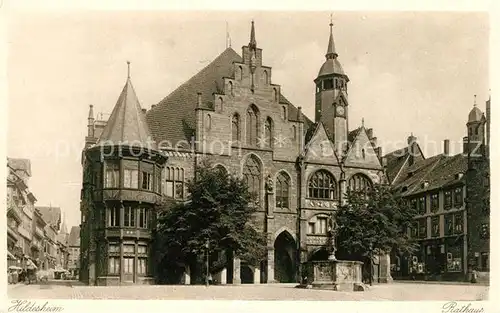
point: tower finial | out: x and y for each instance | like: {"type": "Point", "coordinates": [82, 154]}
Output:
{"type": "Point", "coordinates": [228, 37]}
{"type": "Point", "coordinates": [475, 104]}
{"type": "Point", "coordinates": [128, 69]}
{"type": "Point", "coordinates": [330, 52]}
{"type": "Point", "coordinates": [253, 42]}
{"type": "Point", "coordinates": [363, 121]}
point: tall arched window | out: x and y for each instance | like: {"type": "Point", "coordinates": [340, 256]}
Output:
{"type": "Point", "coordinates": [269, 133]}
{"type": "Point", "coordinates": [221, 104]}
{"type": "Point", "coordinates": [231, 88]}
{"type": "Point", "coordinates": [241, 73]}
{"type": "Point", "coordinates": [275, 95]}
{"type": "Point", "coordinates": [220, 169]}
{"type": "Point", "coordinates": [252, 175]}
{"type": "Point", "coordinates": [294, 132]}
{"type": "Point", "coordinates": [322, 186]}
{"type": "Point", "coordinates": [252, 125]}
{"type": "Point", "coordinates": [359, 182]}
{"type": "Point", "coordinates": [283, 190]}
{"type": "Point", "coordinates": [283, 110]}
{"type": "Point", "coordinates": [209, 121]}
{"type": "Point", "coordinates": [266, 78]}
{"type": "Point", "coordinates": [235, 127]}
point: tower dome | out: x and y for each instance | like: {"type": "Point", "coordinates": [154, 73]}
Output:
{"type": "Point", "coordinates": [475, 115]}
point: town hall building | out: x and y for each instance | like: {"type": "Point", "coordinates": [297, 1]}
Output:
{"type": "Point", "coordinates": [233, 115]}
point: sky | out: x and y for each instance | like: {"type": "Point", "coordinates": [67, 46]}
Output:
{"type": "Point", "coordinates": [409, 73]}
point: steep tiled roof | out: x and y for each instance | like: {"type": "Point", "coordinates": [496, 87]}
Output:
{"type": "Point", "coordinates": [20, 165]}
{"type": "Point", "coordinates": [74, 237]}
{"type": "Point", "coordinates": [397, 159]}
{"type": "Point", "coordinates": [438, 171]}
{"type": "Point", "coordinates": [173, 118]}
{"type": "Point", "coordinates": [51, 215]}
{"type": "Point", "coordinates": [127, 124]}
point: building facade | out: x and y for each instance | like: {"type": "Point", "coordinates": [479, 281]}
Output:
{"type": "Point", "coordinates": [20, 212]}
{"type": "Point", "coordinates": [74, 251]}
{"type": "Point", "coordinates": [235, 116]}
{"type": "Point", "coordinates": [451, 195]}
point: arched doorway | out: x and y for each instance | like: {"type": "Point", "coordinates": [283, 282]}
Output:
{"type": "Point", "coordinates": [285, 252]}
{"type": "Point", "coordinates": [246, 274]}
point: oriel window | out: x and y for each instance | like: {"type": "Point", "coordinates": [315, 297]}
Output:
{"type": "Point", "coordinates": [129, 217]}
{"type": "Point", "coordinates": [112, 174]}
{"type": "Point", "coordinates": [114, 217]}
{"type": "Point", "coordinates": [143, 218]}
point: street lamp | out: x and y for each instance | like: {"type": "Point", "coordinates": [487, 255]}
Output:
{"type": "Point", "coordinates": [207, 247]}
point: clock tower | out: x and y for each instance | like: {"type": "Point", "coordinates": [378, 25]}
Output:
{"type": "Point", "coordinates": [331, 97]}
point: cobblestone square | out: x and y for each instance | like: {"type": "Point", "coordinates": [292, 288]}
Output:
{"type": "Point", "coordinates": [390, 292]}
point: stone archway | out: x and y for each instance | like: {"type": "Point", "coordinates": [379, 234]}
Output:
{"type": "Point", "coordinates": [285, 252]}
{"type": "Point", "coordinates": [246, 274]}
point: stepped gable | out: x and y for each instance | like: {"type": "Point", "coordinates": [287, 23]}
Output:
{"type": "Point", "coordinates": [173, 118]}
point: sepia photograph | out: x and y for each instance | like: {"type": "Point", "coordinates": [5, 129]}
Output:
{"type": "Point", "coordinates": [248, 155]}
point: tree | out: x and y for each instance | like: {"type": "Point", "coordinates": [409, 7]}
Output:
{"type": "Point", "coordinates": [219, 209]}
{"type": "Point", "coordinates": [375, 222]}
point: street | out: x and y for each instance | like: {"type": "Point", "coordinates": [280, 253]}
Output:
{"type": "Point", "coordinates": [390, 292]}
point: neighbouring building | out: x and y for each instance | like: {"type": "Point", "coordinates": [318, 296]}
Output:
{"type": "Point", "coordinates": [451, 195]}
{"type": "Point", "coordinates": [74, 251]}
{"type": "Point", "coordinates": [20, 212]}
{"type": "Point", "coordinates": [52, 217]}
{"type": "Point", "coordinates": [39, 246]}
{"type": "Point", "coordinates": [235, 116]}
{"type": "Point", "coordinates": [63, 248]}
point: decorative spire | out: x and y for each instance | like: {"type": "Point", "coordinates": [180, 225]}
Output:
{"type": "Point", "coordinates": [128, 69]}
{"type": "Point", "coordinates": [363, 122]}
{"type": "Point", "coordinates": [331, 53]}
{"type": "Point", "coordinates": [475, 104]}
{"type": "Point", "coordinates": [253, 42]}
{"type": "Point", "coordinates": [228, 37]}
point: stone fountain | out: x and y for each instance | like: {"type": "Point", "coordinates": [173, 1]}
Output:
{"type": "Point", "coordinates": [333, 274]}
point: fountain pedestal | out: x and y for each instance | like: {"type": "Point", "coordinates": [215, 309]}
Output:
{"type": "Point", "coordinates": [335, 275]}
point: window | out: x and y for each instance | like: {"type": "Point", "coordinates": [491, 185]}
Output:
{"type": "Point", "coordinates": [311, 228]}
{"type": "Point", "coordinates": [294, 132]}
{"type": "Point", "coordinates": [158, 180]}
{"type": "Point", "coordinates": [284, 112]}
{"type": "Point", "coordinates": [414, 230]}
{"type": "Point", "coordinates": [112, 174]}
{"type": "Point", "coordinates": [435, 202]}
{"type": "Point", "coordinates": [231, 87]}
{"type": "Point", "coordinates": [221, 104]}
{"type": "Point", "coordinates": [142, 249]}
{"type": "Point", "coordinates": [454, 259]}
{"type": "Point", "coordinates": [458, 199]}
{"type": "Point", "coordinates": [485, 231]}
{"type": "Point", "coordinates": [458, 223]}
{"type": "Point", "coordinates": [322, 186]}
{"type": "Point", "coordinates": [421, 206]}
{"type": "Point", "coordinates": [252, 125]}
{"type": "Point", "coordinates": [268, 133]}
{"type": "Point", "coordinates": [447, 199]}
{"type": "Point", "coordinates": [253, 177]}
{"type": "Point", "coordinates": [143, 218]}
{"type": "Point", "coordinates": [275, 95]}
{"type": "Point", "coordinates": [142, 266]}
{"type": "Point", "coordinates": [129, 249]}
{"type": "Point", "coordinates": [448, 225]}
{"type": "Point", "coordinates": [414, 204]}
{"type": "Point", "coordinates": [175, 182]}
{"type": "Point", "coordinates": [235, 128]}
{"type": "Point", "coordinates": [113, 248]}
{"type": "Point", "coordinates": [435, 226]}
{"type": "Point", "coordinates": [129, 217]}
{"type": "Point", "coordinates": [114, 265]}
{"type": "Point", "coordinates": [114, 217]}
{"type": "Point", "coordinates": [360, 182]}
{"type": "Point", "coordinates": [422, 228]}
{"type": "Point", "coordinates": [128, 265]}
{"type": "Point", "coordinates": [266, 78]}
{"type": "Point", "coordinates": [322, 221]}
{"type": "Point", "coordinates": [282, 190]}
{"type": "Point", "coordinates": [146, 181]}
{"type": "Point", "coordinates": [209, 121]}
{"type": "Point", "coordinates": [328, 84]}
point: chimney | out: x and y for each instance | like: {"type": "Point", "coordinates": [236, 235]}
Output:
{"type": "Point", "coordinates": [144, 111]}
{"type": "Point", "coordinates": [446, 148]}
{"type": "Point", "coordinates": [466, 145]}
{"type": "Point", "coordinates": [153, 106]}
{"type": "Point", "coordinates": [299, 114]}
{"type": "Point", "coordinates": [369, 132]}
{"type": "Point", "coordinates": [384, 161]}
{"type": "Point", "coordinates": [411, 145]}
{"type": "Point", "coordinates": [199, 100]}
